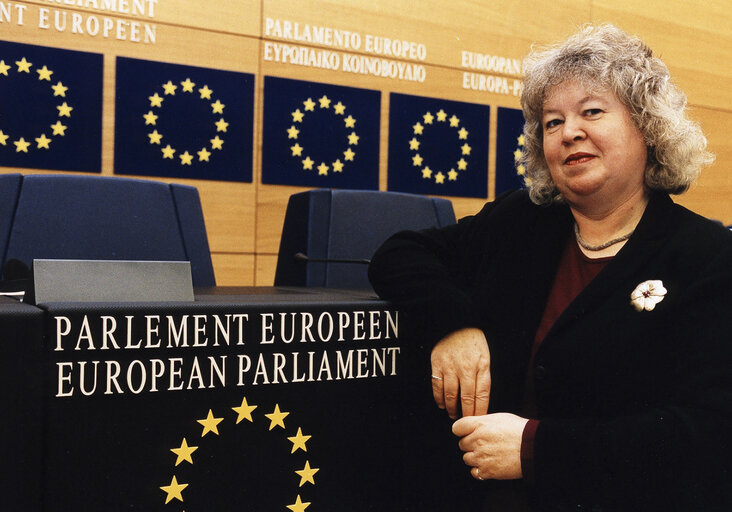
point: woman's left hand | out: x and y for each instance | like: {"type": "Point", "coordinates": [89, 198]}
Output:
{"type": "Point", "coordinates": [492, 444]}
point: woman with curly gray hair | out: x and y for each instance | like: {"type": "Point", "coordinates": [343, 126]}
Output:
{"type": "Point", "coordinates": [578, 328]}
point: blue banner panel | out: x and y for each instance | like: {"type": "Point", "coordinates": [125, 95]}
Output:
{"type": "Point", "coordinates": [50, 108]}
{"type": "Point", "coordinates": [320, 135]}
{"type": "Point", "coordinates": [438, 147]}
{"type": "Point", "coordinates": [509, 147]}
{"type": "Point", "coordinates": [180, 121]}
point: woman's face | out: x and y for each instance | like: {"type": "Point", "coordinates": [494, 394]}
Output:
{"type": "Point", "coordinates": [595, 152]}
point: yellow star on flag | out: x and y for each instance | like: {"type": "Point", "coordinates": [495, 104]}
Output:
{"type": "Point", "coordinates": [186, 159]}
{"type": "Point", "coordinates": [44, 73]}
{"type": "Point", "coordinates": [169, 88]}
{"type": "Point", "coordinates": [520, 170]}
{"type": "Point", "coordinates": [452, 175]}
{"type": "Point", "coordinates": [306, 474]}
{"type": "Point", "coordinates": [296, 149]}
{"type": "Point", "coordinates": [4, 68]}
{"type": "Point", "coordinates": [221, 125]}
{"type": "Point", "coordinates": [184, 452]}
{"type": "Point", "coordinates": [59, 90]}
{"type": "Point", "coordinates": [205, 92]}
{"type": "Point", "coordinates": [3, 138]}
{"type": "Point", "coordinates": [350, 121]}
{"type": "Point", "coordinates": [462, 164]}
{"type": "Point", "coordinates": [174, 490]}
{"type": "Point", "coordinates": [521, 140]}
{"type": "Point", "coordinates": [465, 149]}
{"type": "Point", "coordinates": [217, 143]}
{"type": "Point", "coordinates": [21, 145]}
{"type": "Point", "coordinates": [454, 121]}
{"type": "Point", "coordinates": [187, 85]}
{"type": "Point", "coordinates": [339, 108]}
{"type": "Point", "coordinates": [324, 101]}
{"type": "Point", "coordinates": [298, 506]}
{"type": "Point", "coordinates": [218, 107]}
{"type": "Point", "coordinates": [64, 110]}
{"type": "Point", "coordinates": [439, 178]}
{"type": "Point", "coordinates": [155, 137]}
{"type": "Point", "coordinates": [441, 115]}
{"type": "Point", "coordinates": [298, 441]}
{"type": "Point", "coordinates": [297, 116]}
{"type": "Point", "coordinates": [150, 118]}
{"type": "Point", "coordinates": [23, 65]}
{"type": "Point", "coordinates": [276, 417]}
{"type": "Point", "coordinates": [210, 424]}
{"type": "Point", "coordinates": [417, 160]}
{"type": "Point", "coordinates": [517, 154]}
{"type": "Point", "coordinates": [353, 139]}
{"type": "Point", "coordinates": [155, 100]}
{"type": "Point", "coordinates": [309, 104]}
{"type": "Point", "coordinates": [58, 128]}
{"type": "Point", "coordinates": [43, 142]}
{"type": "Point", "coordinates": [338, 166]}
{"type": "Point", "coordinates": [292, 132]}
{"type": "Point", "coordinates": [463, 134]}
{"type": "Point", "coordinates": [414, 143]}
{"type": "Point", "coordinates": [427, 173]}
{"type": "Point", "coordinates": [168, 152]}
{"type": "Point", "coordinates": [244, 411]}
{"type": "Point", "coordinates": [203, 155]}
{"type": "Point", "coordinates": [418, 129]}
{"type": "Point", "coordinates": [349, 154]}
{"type": "Point", "coordinates": [323, 169]}
{"type": "Point", "coordinates": [428, 118]}
{"type": "Point", "coordinates": [306, 164]}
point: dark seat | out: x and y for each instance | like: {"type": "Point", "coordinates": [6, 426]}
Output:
{"type": "Point", "coordinates": [347, 225]}
{"type": "Point", "coordinates": [102, 218]}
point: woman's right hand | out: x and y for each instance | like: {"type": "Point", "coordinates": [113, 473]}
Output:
{"type": "Point", "coordinates": [462, 362]}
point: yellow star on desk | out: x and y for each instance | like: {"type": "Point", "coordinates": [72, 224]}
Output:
{"type": "Point", "coordinates": [218, 107]}
{"type": "Point", "coordinates": [298, 441]}
{"type": "Point", "coordinates": [187, 85]}
{"type": "Point", "coordinates": [185, 159]}
{"type": "Point", "coordinates": [21, 145]}
{"type": "Point", "coordinates": [418, 129]}
{"type": "Point", "coordinates": [417, 160]}
{"type": "Point", "coordinates": [465, 149]}
{"type": "Point", "coordinates": [324, 102]}
{"type": "Point", "coordinates": [4, 68]}
{"type": "Point", "coordinates": [216, 143]}
{"type": "Point", "coordinates": [59, 90]}
{"type": "Point", "coordinates": [297, 116]}
{"type": "Point", "coordinates": [292, 132]}
{"type": "Point", "coordinates": [428, 118]}
{"type": "Point", "coordinates": [348, 154]}
{"type": "Point", "coordinates": [168, 152]}
{"type": "Point", "coordinates": [339, 108]}
{"type": "Point", "coordinates": [210, 424]}
{"type": "Point", "coordinates": [306, 474]}
{"type": "Point", "coordinates": [277, 417]}
{"type": "Point", "coordinates": [184, 452]}
{"type": "Point", "coordinates": [323, 169]}
{"type": "Point", "coordinates": [221, 125]}
{"type": "Point", "coordinates": [43, 142]}
{"type": "Point", "coordinates": [296, 149]}
{"type": "Point", "coordinates": [244, 411]}
{"type": "Point", "coordinates": [462, 164]}
{"type": "Point", "coordinates": [174, 490]}
{"type": "Point", "coordinates": [64, 110]}
{"type": "Point", "coordinates": [414, 143]}
{"type": "Point", "coordinates": [155, 137]}
{"type": "Point", "coordinates": [353, 139]}
{"type": "Point", "coordinates": [350, 121]}
{"type": "Point", "coordinates": [338, 166]}
{"type": "Point", "coordinates": [23, 65]}
{"type": "Point", "coordinates": [203, 155]}
{"type": "Point", "coordinates": [309, 104]}
{"type": "Point", "coordinates": [463, 134]}
{"type": "Point", "coordinates": [427, 173]}
{"type": "Point", "coordinates": [44, 73]}
{"type": "Point", "coordinates": [307, 164]}
{"type": "Point", "coordinates": [454, 121]}
{"type": "Point", "coordinates": [298, 506]}
{"type": "Point", "coordinates": [58, 128]}
{"type": "Point", "coordinates": [169, 88]}
{"type": "Point", "coordinates": [205, 92]}
{"type": "Point", "coordinates": [441, 115]}
{"type": "Point", "coordinates": [155, 100]}
{"type": "Point", "coordinates": [150, 118]}
{"type": "Point", "coordinates": [3, 138]}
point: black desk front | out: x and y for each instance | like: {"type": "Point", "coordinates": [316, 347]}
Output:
{"type": "Point", "coordinates": [247, 399]}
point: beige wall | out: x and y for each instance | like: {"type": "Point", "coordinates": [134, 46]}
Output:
{"type": "Point", "coordinates": [244, 219]}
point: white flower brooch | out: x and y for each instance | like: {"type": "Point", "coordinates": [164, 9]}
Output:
{"type": "Point", "coordinates": [647, 294]}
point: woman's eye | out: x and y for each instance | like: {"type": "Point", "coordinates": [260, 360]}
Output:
{"type": "Point", "coordinates": [552, 123]}
{"type": "Point", "coordinates": [593, 112]}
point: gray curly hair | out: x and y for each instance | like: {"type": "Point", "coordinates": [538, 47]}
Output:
{"type": "Point", "coordinates": [606, 58]}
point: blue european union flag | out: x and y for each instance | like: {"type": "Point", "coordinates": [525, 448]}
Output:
{"type": "Point", "coordinates": [509, 147]}
{"type": "Point", "coordinates": [438, 147]}
{"type": "Point", "coordinates": [181, 121]}
{"type": "Point", "coordinates": [50, 108]}
{"type": "Point", "coordinates": [320, 135]}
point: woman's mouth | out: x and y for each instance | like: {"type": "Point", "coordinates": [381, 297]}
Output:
{"type": "Point", "coordinates": [578, 158]}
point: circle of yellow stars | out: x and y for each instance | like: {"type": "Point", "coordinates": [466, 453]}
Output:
{"type": "Point", "coordinates": [339, 109]}
{"type": "Point", "coordinates": [64, 109]}
{"type": "Point", "coordinates": [169, 152]}
{"type": "Point", "coordinates": [520, 168]}
{"type": "Point", "coordinates": [184, 452]}
{"type": "Point", "coordinates": [429, 119]}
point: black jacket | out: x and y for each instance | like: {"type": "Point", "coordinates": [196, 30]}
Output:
{"type": "Point", "coordinates": [635, 407]}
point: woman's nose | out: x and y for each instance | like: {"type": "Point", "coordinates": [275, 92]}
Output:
{"type": "Point", "coordinates": [572, 130]}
